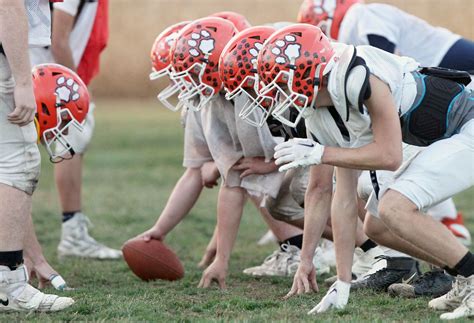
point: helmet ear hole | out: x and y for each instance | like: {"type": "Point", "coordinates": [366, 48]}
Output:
{"type": "Point", "coordinates": [44, 109]}
{"type": "Point", "coordinates": [306, 72]}
{"type": "Point", "coordinates": [56, 73]}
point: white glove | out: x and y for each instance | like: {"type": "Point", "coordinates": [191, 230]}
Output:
{"type": "Point", "coordinates": [336, 297]}
{"type": "Point", "coordinates": [298, 152]}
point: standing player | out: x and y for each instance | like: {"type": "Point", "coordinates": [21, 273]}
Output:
{"type": "Point", "coordinates": [79, 35]}
{"type": "Point", "coordinates": [372, 105]}
{"type": "Point", "coordinates": [22, 24]}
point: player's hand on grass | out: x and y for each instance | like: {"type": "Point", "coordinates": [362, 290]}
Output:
{"type": "Point", "coordinates": [336, 298]}
{"type": "Point", "coordinates": [47, 276]}
{"type": "Point", "coordinates": [25, 106]}
{"type": "Point", "coordinates": [209, 174]}
{"type": "Point", "coordinates": [254, 165]}
{"type": "Point", "coordinates": [216, 272]}
{"type": "Point", "coordinates": [298, 152]}
{"type": "Point", "coordinates": [304, 280]}
{"type": "Point", "coordinates": [152, 234]}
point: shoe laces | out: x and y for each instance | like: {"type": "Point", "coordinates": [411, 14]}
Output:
{"type": "Point", "coordinates": [460, 286]}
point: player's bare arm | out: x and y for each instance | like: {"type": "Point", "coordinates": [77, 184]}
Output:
{"type": "Point", "coordinates": [61, 32]}
{"type": "Point", "coordinates": [385, 152]}
{"type": "Point", "coordinates": [14, 39]}
{"type": "Point", "coordinates": [317, 212]}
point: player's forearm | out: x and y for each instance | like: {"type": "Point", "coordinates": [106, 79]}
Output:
{"type": "Point", "coordinates": [181, 201]}
{"type": "Point", "coordinates": [62, 28]}
{"type": "Point", "coordinates": [317, 209]}
{"type": "Point", "coordinates": [63, 55]}
{"type": "Point", "coordinates": [344, 222]}
{"type": "Point", "coordinates": [368, 157]}
{"type": "Point", "coordinates": [14, 39]}
{"type": "Point", "coordinates": [229, 212]}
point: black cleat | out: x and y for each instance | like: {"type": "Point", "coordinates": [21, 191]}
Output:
{"type": "Point", "coordinates": [398, 270]}
{"type": "Point", "coordinates": [433, 283]}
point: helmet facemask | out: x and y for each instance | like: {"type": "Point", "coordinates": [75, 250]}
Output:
{"type": "Point", "coordinates": [55, 139]}
{"type": "Point", "coordinates": [172, 89]}
{"type": "Point", "coordinates": [287, 98]}
{"type": "Point", "coordinates": [195, 93]}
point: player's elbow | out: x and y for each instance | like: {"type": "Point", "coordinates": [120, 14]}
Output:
{"type": "Point", "coordinates": [59, 47]}
{"type": "Point", "coordinates": [392, 161]}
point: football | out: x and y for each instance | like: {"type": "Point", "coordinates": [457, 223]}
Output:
{"type": "Point", "coordinates": [152, 260]}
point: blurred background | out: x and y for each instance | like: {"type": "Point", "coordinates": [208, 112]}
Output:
{"type": "Point", "coordinates": [134, 25]}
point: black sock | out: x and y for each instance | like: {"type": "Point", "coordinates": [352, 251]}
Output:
{"type": "Point", "coordinates": [68, 215]}
{"type": "Point", "coordinates": [11, 259]}
{"type": "Point", "coordinates": [450, 271]}
{"type": "Point", "coordinates": [465, 267]}
{"type": "Point", "coordinates": [296, 241]}
{"type": "Point", "coordinates": [367, 245]}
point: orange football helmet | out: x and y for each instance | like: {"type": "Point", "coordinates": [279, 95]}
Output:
{"type": "Point", "coordinates": [62, 102]}
{"type": "Point", "coordinates": [326, 14]}
{"type": "Point", "coordinates": [293, 62]}
{"type": "Point", "coordinates": [161, 63]}
{"type": "Point", "coordinates": [239, 21]}
{"type": "Point", "coordinates": [195, 59]}
{"type": "Point", "coordinates": [238, 72]}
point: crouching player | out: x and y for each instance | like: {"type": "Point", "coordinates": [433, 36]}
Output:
{"type": "Point", "coordinates": [398, 99]}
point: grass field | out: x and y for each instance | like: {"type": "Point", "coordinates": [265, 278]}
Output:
{"type": "Point", "coordinates": [131, 167]}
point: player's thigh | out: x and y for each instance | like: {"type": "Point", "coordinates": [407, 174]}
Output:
{"type": "Point", "coordinates": [440, 171]}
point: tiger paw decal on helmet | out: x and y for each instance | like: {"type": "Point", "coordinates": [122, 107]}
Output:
{"type": "Point", "coordinates": [286, 50]}
{"type": "Point", "coordinates": [67, 90]}
{"type": "Point", "coordinates": [195, 59]}
{"type": "Point", "coordinates": [201, 43]}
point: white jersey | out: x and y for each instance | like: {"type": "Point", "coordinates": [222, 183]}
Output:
{"type": "Point", "coordinates": [394, 70]}
{"type": "Point", "coordinates": [39, 22]}
{"type": "Point", "coordinates": [80, 33]}
{"type": "Point", "coordinates": [411, 35]}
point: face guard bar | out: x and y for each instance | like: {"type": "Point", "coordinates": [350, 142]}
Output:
{"type": "Point", "coordinates": [195, 94]}
{"type": "Point", "coordinates": [55, 139]}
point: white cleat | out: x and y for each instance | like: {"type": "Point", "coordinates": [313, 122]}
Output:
{"type": "Point", "coordinates": [17, 295]}
{"type": "Point", "coordinates": [367, 262]}
{"type": "Point", "coordinates": [452, 300]}
{"type": "Point", "coordinates": [76, 241]}
{"type": "Point", "coordinates": [267, 238]}
{"type": "Point", "coordinates": [328, 252]}
{"type": "Point", "coordinates": [466, 309]}
{"type": "Point", "coordinates": [320, 262]}
{"type": "Point", "coordinates": [280, 263]}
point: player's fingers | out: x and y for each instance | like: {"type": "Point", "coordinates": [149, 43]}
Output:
{"type": "Point", "coordinates": [247, 172]}
{"type": "Point", "coordinates": [306, 285]}
{"type": "Point", "coordinates": [282, 153]}
{"type": "Point", "coordinates": [239, 167]}
{"type": "Point", "coordinates": [290, 293]}
{"type": "Point", "coordinates": [314, 284]}
{"type": "Point", "coordinates": [286, 167]}
{"type": "Point", "coordinates": [201, 282]}
{"type": "Point", "coordinates": [284, 145]}
{"type": "Point", "coordinates": [221, 282]}
{"type": "Point", "coordinates": [300, 287]}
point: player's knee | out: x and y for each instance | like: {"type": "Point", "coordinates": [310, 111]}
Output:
{"type": "Point", "coordinates": [374, 228]}
{"type": "Point", "coordinates": [395, 210]}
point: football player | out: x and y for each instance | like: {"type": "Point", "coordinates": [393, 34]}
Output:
{"type": "Point", "coordinates": [390, 29]}
{"type": "Point", "coordinates": [79, 35]}
{"type": "Point", "coordinates": [22, 24]}
{"type": "Point", "coordinates": [379, 109]}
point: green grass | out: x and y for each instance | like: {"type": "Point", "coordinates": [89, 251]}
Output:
{"type": "Point", "coordinates": [132, 165]}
